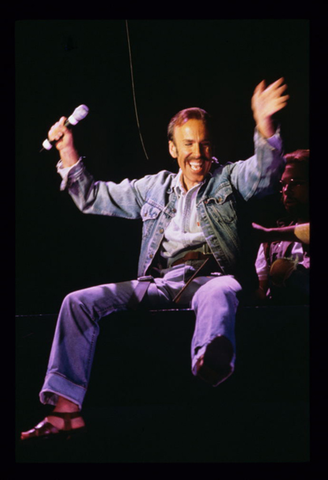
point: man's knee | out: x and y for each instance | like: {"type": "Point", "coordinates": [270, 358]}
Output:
{"type": "Point", "coordinates": [77, 301]}
{"type": "Point", "coordinates": [73, 298]}
{"type": "Point", "coordinates": [219, 289]}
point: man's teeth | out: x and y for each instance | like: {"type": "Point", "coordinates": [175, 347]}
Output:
{"type": "Point", "coordinates": [195, 165]}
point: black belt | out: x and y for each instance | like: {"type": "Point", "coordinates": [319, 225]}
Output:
{"type": "Point", "coordinates": [191, 256]}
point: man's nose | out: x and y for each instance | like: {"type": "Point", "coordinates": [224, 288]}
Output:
{"type": "Point", "coordinates": [198, 150]}
{"type": "Point", "coordinates": [288, 187]}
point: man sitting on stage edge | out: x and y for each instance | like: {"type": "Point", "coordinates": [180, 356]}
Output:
{"type": "Point", "coordinates": [196, 249]}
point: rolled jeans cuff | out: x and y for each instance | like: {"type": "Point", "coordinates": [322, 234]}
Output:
{"type": "Point", "coordinates": [57, 385]}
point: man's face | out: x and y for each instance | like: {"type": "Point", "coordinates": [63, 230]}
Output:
{"type": "Point", "coordinates": [193, 150]}
{"type": "Point", "coordinates": [295, 188]}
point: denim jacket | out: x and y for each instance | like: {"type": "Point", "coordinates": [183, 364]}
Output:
{"type": "Point", "coordinates": [152, 199]}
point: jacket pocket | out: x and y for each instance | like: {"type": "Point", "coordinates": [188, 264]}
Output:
{"type": "Point", "coordinates": [149, 215]}
{"type": "Point", "coordinates": [223, 206]}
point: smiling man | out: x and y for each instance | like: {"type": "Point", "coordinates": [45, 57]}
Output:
{"type": "Point", "coordinates": [191, 145]}
{"type": "Point", "coordinates": [194, 252]}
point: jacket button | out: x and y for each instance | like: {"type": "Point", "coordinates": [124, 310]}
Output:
{"type": "Point", "coordinates": [161, 230]}
{"type": "Point", "coordinates": [151, 255]}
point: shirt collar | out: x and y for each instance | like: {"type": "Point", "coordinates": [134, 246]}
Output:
{"type": "Point", "coordinates": [177, 184]}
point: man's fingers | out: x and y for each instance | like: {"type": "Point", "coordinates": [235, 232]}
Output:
{"type": "Point", "coordinates": [275, 89]}
{"type": "Point", "coordinates": [259, 88]}
{"type": "Point", "coordinates": [281, 100]}
{"type": "Point", "coordinates": [57, 131]}
{"type": "Point", "coordinates": [272, 97]}
{"type": "Point", "coordinates": [275, 84]}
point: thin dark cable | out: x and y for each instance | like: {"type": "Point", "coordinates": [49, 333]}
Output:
{"type": "Point", "coordinates": [133, 90]}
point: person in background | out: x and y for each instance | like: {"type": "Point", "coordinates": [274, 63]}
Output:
{"type": "Point", "coordinates": [283, 260]}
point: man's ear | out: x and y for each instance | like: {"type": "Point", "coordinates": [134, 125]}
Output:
{"type": "Point", "coordinates": [173, 149]}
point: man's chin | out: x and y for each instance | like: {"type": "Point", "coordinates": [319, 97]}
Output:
{"type": "Point", "coordinates": [199, 174]}
{"type": "Point", "coordinates": [290, 204]}
{"type": "Point", "coordinates": [197, 177]}
{"type": "Point", "coordinates": [292, 209]}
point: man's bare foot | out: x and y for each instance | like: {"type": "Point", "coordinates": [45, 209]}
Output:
{"type": "Point", "coordinates": [65, 406]}
{"type": "Point", "coordinates": [60, 422]}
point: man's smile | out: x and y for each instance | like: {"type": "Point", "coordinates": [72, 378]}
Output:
{"type": "Point", "coordinates": [196, 165]}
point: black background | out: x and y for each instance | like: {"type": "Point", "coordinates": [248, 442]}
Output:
{"type": "Point", "coordinates": [59, 64]}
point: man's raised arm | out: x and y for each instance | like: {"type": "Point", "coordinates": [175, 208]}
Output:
{"type": "Point", "coordinates": [266, 101]}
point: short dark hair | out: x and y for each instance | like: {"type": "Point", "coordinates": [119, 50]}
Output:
{"type": "Point", "coordinates": [186, 114]}
{"type": "Point", "coordinates": [298, 156]}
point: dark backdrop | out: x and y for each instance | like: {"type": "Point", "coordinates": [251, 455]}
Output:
{"type": "Point", "coordinates": [214, 64]}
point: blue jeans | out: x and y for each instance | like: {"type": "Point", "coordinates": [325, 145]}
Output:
{"type": "Point", "coordinates": [212, 297]}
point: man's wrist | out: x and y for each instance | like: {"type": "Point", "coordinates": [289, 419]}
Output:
{"type": "Point", "coordinates": [69, 157]}
{"type": "Point", "coordinates": [266, 128]}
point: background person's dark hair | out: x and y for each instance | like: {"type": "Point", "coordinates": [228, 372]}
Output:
{"type": "Point", "coordinates": [298, 156]}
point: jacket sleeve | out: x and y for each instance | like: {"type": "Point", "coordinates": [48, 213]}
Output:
{"type": "Point", "coordinates": [100, 197]}
{"type": "Point", "coordinates": [259, 175]}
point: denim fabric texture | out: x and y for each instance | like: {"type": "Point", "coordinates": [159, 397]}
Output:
{"type": "Point", "coordinates": [213, 296]}
{"type": "Point", "coordinates": [153, 200]}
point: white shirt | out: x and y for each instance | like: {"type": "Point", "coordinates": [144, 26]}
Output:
{"type": "Point", "coordinates": [184, 230]}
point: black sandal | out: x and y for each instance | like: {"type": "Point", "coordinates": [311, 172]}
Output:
{"type": "Point", "coordinates": [45, 430]}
